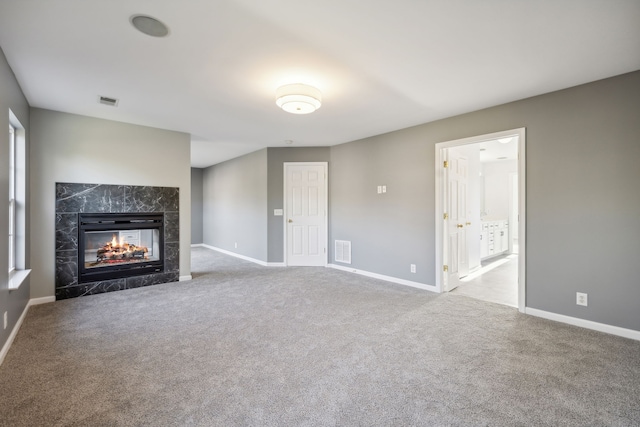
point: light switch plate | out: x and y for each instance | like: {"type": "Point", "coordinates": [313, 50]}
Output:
{"type": "Point", "coordinates": [277, 212]}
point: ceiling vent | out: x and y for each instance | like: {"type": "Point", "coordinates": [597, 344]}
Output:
{"type": "Point", "coordinates": [112, 102]}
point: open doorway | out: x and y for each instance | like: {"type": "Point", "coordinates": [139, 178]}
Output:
{"type": "Point", "coordinates": [480, 219]}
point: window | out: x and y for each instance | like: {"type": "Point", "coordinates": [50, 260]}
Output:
{"type": "Point", "coordinates": [12, 199]}
{"type": "Point", "coordinates": [18, 271]}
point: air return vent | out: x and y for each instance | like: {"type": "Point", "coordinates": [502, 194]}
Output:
{"type": "Point", "coordinates": [108, 101]}
{"type": "Point", "coordinates": [343, 251]}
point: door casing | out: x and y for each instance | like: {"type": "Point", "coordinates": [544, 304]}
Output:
{"type": "Point", "coordinates": [440, 225]}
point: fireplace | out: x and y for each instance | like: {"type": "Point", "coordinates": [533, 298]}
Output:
{"type": "Point", "coordinates": [116, 245]}
{"type": "Point", "coordinates": [115, 237]}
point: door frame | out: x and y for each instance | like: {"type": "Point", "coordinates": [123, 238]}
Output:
{"type": "Point", "coordinates": [326, 205]}
{"type": "Point", "coordinates": [440, 157]}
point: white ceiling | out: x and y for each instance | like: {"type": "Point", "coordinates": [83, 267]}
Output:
{"type": "Point", "coordinates": [381, 65]}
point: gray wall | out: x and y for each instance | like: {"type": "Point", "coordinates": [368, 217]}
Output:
{"type": "Point", "coordinates": [276, 159]}
{"type": "Point", "coordinates": [235, 202]}
{"type": "Point", "coordinates": [388, 231]}
{"type": "Point", "coordinates": [196, 206]}
{"type": "Point", "coordinates": [71, 148]}
{"type": "Point", "coordinates": [239, 197]}
{"type": "Point", "coordinates": [583, 149]}
{"type": "Point", "coordinates": [11, 97]}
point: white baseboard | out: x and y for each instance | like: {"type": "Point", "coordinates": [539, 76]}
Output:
{"type": "Point", "coordinates": [197, 245]}
{"type": "Point", "coordinates": [601, 327]}
{"type": "Point", "coordinates": [184, 278]}
{"type": "Point", "coordinates": [276, 264]}
{"type": "Point", "coordinates": [383, 277]}
{"type": "Point", "coordinates": [16, 327]}
{"type": "Point", "coordinates": [42, 300]}
{"type": "Point", "coordinates": [246, 258]}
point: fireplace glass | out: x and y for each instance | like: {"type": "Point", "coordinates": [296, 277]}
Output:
{"type": "Point", "coordinates": [119, 245]}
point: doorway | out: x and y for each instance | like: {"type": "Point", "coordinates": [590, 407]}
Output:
{"type": "Point", "coordinates": [480, 213]}
{"type": "Point", "coordinates": [305, 213]}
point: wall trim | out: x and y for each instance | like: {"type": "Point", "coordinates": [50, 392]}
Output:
{"type": "Point", "coordinates": [246, 258]}
{"type": "Point", "coordinates": [197, 245]}
{"type": "Point", "coordinates": [16, 327]}
{"type": "Point", "coordinates": [423, 286]}
{"type": "Point", "coordinates": [41, 300]}
{"type": "Point", "coordinates": [440, 178]}
{"type": "Point", "coordinates": [588, 324]}
{"type": "Point", "coordinates": [12, 335]}
{"type": "Point", "coordinates": [184, 278]}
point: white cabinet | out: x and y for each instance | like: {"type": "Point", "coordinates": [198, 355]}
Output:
{"type": "Point", "coordinates": [131, 237]}
{"type": "Point", "coordinates": [494, 238]}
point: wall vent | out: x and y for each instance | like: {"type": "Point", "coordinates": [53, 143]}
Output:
{"type": "Point", "coordinates": [343, 251]}
{"type": "Point", "coordinates": [113, 102]}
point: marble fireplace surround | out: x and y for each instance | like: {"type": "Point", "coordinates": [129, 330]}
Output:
{"type": "Point", "coordinates": [74, 198]}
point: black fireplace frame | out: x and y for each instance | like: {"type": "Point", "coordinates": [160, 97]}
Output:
{"type": "Point", "coordinates": [115, 222]}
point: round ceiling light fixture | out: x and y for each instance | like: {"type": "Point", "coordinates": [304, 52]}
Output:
{"type": "Point", "coordinates": [298, 98]}
{"type": "Point", "coordinates": [150, 26]}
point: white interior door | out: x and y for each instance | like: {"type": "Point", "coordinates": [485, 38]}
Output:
{"type": "Point", "coordinates": [456, 197]}
{"type": "Point", "coordinates": [306, 213]}
{"type": "Point", "coordinates": [444, 236]}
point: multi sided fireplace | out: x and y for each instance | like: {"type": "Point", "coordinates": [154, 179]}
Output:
{"type": "Point", "coordinates": [113, 246]}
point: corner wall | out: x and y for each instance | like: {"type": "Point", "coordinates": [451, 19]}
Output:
{"type": "Point", "coordinates": [234, 205]}
{"type": "Point", "coordinates": [276, 159]}
{"type": "Point", "coordinates": [79, 149]}
{"type": "Point", "coordinates": [196, 206]}
{"type": "Point", "coordinates": [11, 97]}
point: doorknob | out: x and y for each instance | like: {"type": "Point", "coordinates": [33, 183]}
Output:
{"type": "Point", "coordinates": [468, 223]}
{"type": "Point", "coordinates": [460, 226]}
{"type": "Point", "coordinates": [290, 220]}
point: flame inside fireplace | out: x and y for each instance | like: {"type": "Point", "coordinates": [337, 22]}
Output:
{"type": "Point", "coordinates": [118, 251]}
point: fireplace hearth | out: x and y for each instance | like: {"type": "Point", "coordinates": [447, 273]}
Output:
{"type": "Point", "coordinates": [115, 237]}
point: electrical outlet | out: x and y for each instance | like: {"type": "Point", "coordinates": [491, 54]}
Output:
{"type": "Point", "coordinates": [581, 299]}
{"type": "Point", "coordinates": [413, 268]}
{"type": "Point", "coordinates": [379, 189]}
{"type": "Point", "coordinates": [384, 188]}
{"type": "Point", "coordinates": [236, 245]}
{"type": "Point", "coordinates": [5, 320]}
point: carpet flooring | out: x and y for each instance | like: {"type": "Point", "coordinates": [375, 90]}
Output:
{"type": "Point", "coordinates": [245, 345]}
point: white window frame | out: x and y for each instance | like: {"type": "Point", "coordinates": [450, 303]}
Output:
{"type": "Point", "coordinates": [12, 199]}
{"type": "Point", "coordinates": [18, 271]}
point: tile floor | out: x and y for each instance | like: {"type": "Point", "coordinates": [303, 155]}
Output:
{"type": "Point", "coordinates": [496, 281]}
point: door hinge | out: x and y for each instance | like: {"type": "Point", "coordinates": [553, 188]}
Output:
{"type": "Point", "coordinates": [445, 268]}
{"type": "Point", "coordinates": [445, 216]}
{"type": "Point", "coordinates": [325, 250]}
{"type": "Point", "coordinates": [446, 164]}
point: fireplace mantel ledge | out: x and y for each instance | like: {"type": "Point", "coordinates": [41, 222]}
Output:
{"type": "Point", "coordinates": [17, 278]}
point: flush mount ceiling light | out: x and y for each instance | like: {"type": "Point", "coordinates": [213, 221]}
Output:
{"type": "Point", "coordinates": [150, 26]}
{"type": "Point", "coordinates": [298, 98]}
